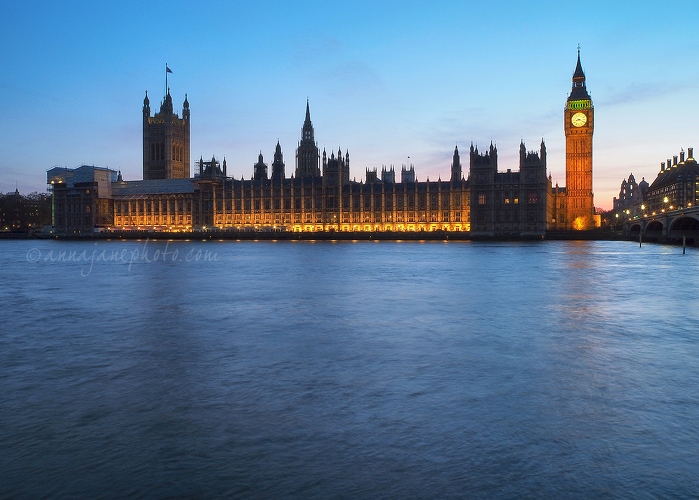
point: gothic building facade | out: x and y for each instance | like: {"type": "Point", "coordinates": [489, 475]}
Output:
{"type": "Point", "coordinates": [166, 149]}
{"type": "Point", "coordinates": [307, 157]}
{"type": "Point", "coordinates": [579, 121]}
{"type": "Point", "coordinates": [631, 201]}
{"type": "Point", "coordinates": [320, 195]}
{"type": "Point", "coordinates": [509, 203]}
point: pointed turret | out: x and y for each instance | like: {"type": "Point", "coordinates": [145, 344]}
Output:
{"type": "Point", "coordinates": [185, 108]}
{"type": "Point", "coordinates": [260, 172]}
{"type": "Point", "coordinates": [167, 106]}
{"type": "Point", "coordinates": [278, 173]}
{"type": "Point", "coordinates": [543, 151]}
{"type": "Point", "coordinates": [579, 73]}
{"type": "Point", "coordinates": [456, 166]}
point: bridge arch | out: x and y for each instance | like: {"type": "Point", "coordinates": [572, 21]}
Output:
{"type": "Point", "coordinates": [654, 230]}
{"type": "Point", "coordinates": [686, 226]}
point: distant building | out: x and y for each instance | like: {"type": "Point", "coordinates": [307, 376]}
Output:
{"type": "Point", "coordinates": [559, 208]}
{"type": "Point", "coordinates": [166, 149]}
{"type": "Point", "coordinates": [82, 199]}
{"type": "Point", "coordinates": [509, 203]}
{"type": "Point", "coordinates": [307, 202]}
{"type": "Point", "coordinates": [307, 156]}
{"type": "Point", "coordinates": [320, 195]}
{"type": "Point", "coordinates": [676, 186]}
{"type": "Point", "coordinates": [631, 201]}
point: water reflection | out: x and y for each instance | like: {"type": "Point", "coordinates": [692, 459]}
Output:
{"type": "Point", "coordinates": [360, 369]}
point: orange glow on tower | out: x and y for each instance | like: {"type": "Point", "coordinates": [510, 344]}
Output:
{"type": "Point", "coordinates": [579, 125]}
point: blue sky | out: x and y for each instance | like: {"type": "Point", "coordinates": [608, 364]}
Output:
{"type": "Point", "coordinates": [385, 80]}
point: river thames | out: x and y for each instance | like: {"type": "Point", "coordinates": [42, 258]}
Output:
{"type": "Point", "coordinates": [353, 369]}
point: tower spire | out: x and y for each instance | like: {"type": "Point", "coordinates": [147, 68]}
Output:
{"type": "Point", "coordinates": [307, 157]}
{"type": "Point", "coordinates": [579, 90]}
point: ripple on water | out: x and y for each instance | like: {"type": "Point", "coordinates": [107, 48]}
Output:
{"type": "Point", "coordinates": [557, 369]}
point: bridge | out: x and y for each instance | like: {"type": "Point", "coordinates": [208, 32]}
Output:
{"type": "Point", "coordinates": [666, 226]}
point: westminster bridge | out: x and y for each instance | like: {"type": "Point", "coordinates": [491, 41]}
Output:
{"type": "Point", "coordinates": [667, 226]}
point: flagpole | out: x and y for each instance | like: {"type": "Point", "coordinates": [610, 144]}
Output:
{"type": "Point", "coordinates": [165, 78]}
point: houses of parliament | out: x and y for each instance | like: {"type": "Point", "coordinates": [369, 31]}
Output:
{"type": "Point", "coordinates": [319, 195]}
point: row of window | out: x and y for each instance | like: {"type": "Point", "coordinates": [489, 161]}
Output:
{"type": "Point", "coordinates": [507, 200]}
{"type": "Point", "coordinates": [308, 203]}
{"type": "Point", "coordinates": [157, 152]}
{"type": "Point", "coordinates": [145, 220]}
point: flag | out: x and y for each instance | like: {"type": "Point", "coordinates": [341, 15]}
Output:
{"type": "Point", "coordinates": [167, 70]}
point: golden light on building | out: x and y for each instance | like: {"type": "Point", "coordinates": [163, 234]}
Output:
{"type": "Point", "coordinates": [580, 224]}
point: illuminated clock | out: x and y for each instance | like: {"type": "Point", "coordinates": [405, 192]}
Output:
{"type": "Point", "coordinates": [578, 119]}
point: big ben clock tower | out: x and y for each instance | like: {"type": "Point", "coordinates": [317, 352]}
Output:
{"type": "Point", "coordinates": [579, 124]}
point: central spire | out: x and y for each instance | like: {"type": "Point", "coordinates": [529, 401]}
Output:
{"type": "Point", "coordinates": [307, 129]}
{"type": "Point", "coordinates": [307, 156]}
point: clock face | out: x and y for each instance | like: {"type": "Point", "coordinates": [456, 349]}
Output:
{"type": "Point", "coordinates": [578, 119]}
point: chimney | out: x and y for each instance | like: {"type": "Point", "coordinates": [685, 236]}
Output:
{"type": "Point", "coordinates": [690, 153]}
{"type": "Point", "coordinates": [674, 161]}
{"type": "Point", "coordinates": [662, 167]}
{"type": "Point", "coordinates": [682, 156]}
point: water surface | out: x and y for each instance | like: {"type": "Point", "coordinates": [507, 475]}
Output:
{"type": "Point", "coordinates": [367, 369]}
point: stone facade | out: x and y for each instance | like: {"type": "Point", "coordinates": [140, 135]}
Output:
{"type": "Point", "coordinates": [487, 203]}
{"type": "Point", "coordinates": [579, 114]}
{"type": "Point", "coordinates": [166, 148]}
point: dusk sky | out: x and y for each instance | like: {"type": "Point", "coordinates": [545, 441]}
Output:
{"type": "Point", "coordinates": [385, 80]}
